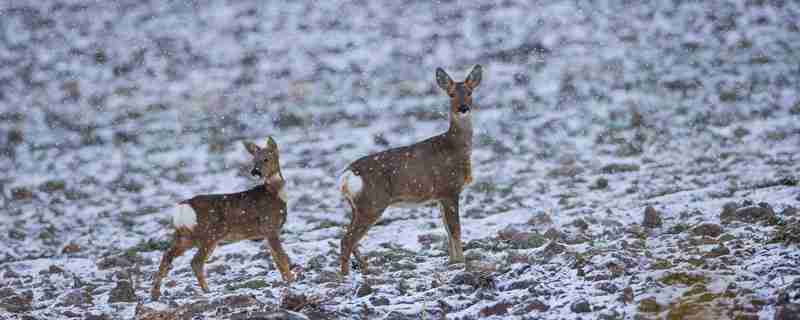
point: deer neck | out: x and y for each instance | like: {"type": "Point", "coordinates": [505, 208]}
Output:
{"type": "Point", "coordinates": [460, 131]}
{"type": "Point", "coordinates": [274, 185]}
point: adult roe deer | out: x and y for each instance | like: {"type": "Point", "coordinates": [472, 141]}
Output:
{"type": "Point", "coordinates": [205, 220]}
{"type": "Point", "coordinates": [436, 169]}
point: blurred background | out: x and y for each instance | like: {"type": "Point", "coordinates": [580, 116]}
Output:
{"type": "Point", "coordinates": [111, 111]}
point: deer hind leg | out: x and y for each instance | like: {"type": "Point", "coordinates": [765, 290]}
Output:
{"type": "Point", "coordinates": [453, 225]}
{"type": "Point", "coordinates": [362, 220]}
{"type": "Point", "coordinates": [182, 243]}
{"type": "Point", "coordinates": [199, 261]}
{"type": "Point", "coordinates": [279, 256]}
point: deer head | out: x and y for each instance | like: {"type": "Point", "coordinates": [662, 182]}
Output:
{"type": "Point", "coordinates": [460, 92]}
{"type": "Point", "coordinates": [265, 161]}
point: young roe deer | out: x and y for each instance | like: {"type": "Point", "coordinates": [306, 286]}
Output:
{"type": "Point", "coordinates": [205, 220]}
{"type": "Point", "coordinates": [433, 170]}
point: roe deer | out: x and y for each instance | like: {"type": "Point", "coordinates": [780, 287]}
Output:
{"type": "Point", "coordinates": [436, 169]}
{"type": "Point", "coordinates": [205, 220]}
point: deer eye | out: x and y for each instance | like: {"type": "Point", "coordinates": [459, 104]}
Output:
{"type": "Point", "coordinates": [469, 93]}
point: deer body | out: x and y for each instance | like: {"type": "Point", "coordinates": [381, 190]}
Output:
{"type": "Point", "coordinates": [433, 170]}
{"type": "Point", "coordinates": [205, 220]}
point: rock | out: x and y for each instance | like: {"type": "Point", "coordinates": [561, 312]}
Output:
{"type": "Point", "coordinates": [553, 234]}
{"type": "Point", "coordinates": [521, 240]}
{"type": "Point", "coordinates": [788, 312]}
{"type": "Point", "coordinates": [519, 285]}
{"type": "Point", "coordinates": [712, 230]}
{"type": "Point", "coordinates": [77, 297]}
{"type": "Point", "coordinates": [789, 211]}
{"type": "Point", "coordinates": [553, 249]}
{"type": "Point", "coordinates": [16, 303]}
{"type": "Point", "coordinates": [752, 214]}
{"type": "Point", "coordinates": [101, 316]}
{"type": "Point", "coordinates": [473, 279]}
{"type": "Point", "coordinates": [500, 308]}
{"type": "Point", "coordinates": [581, 306]}
{"type": "Point", "coordinates": [627, 295]}
{"type": "Point", "coordinates": [21, 193]}
{"type": "Point", "coordinates": [159, 311]}
{"type": "Point", "coordinates": [242, 300]}
{"type": "Point", "coordinates": [649, 305]}
{"type": "Point", "coordinates": [607, 286]}
{"type": "Point", "coordinates": [9, 274]}
{"type": "Point", "coordinates": [728, 209]}
{"type": "Point", "coordinates": [619, 167]}
{"type": "Point", "coordinates": [364, 290]}
{"type": "Point", "coordinates": [719, 251]}
{"type": "Point", "coordinates": [378, 301]}
{"type": "Point", "coordinates": [539, 219]}
{"type": "Point", "coordinates": [71, 248]}
{"type": "Point", "coordinates": [652, 218]}
{"type": "Point", "coordinates": [294, 302]}
{"type": "Point", "coordinates": [123, 292]}
{"type": "Point", "coordinates": [276, 315]}
{"type": "Point", "coordinates": [534, 305]}
{"type": "Point", "coordinates": [580, 224]}
{"type": "Point", "coordinates": [16, 234]}
{"type": "Point", "coordinates": [114, 262]}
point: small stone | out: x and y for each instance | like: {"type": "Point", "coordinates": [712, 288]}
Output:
{"type": "Point", "coordinates": [378, 301]}
{"type": "Point", "coordinates": [580, 224]}
{"type": "Point", "coordinates": [500, 308]}
{"type": "Point", "coordinates": [608, 287]}
{"type": "Point", "coordinates": [71, 248]}
{"type": "Point", "coordinates": [364, 290]}
{"type": "Point", "coordinates": [294, 302]}
{"type": "Point", "coordinates": [581, 306]}
{"type": "Point", "coordinates": [242, 300]}
{"type": "Point", "coordinates": [553, 234]}
{"type": "Point", "coordinates": [123, 292]}
{"type": "Point", "coordinates": [789, 211]}
{"type": "Point", "coordinates": [649, 305]}
{"type": "Point", "coordinates": [16, 234]}
{"type": "Point", "coordinates": [535, 305]}
{"type": "Point", "coordinates": [77, 297]}
{"type": "Point", "coordinates": [553, 249]}
{"type": "Point", "coordinates": [712, 230]}
{"type": "Point", "coordinates": [540, 219]}
{"type": "Point", "coordinates": [21, 193]}
{"type": "Point", "coordinates": [652, 218]}
{"type": "Point", "coordinates": [752, 214]}
{"type": "Point", "coordinates": [719, 251]}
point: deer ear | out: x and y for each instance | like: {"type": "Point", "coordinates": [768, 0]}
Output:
{"type": "Point", "coordinates": [443, 79]}
{"type": "Point", "coordinates": [251, 147]}
{"type": "Point", "coordinates": [474, 77]}
{"type": "Point", "coordinates": [271, 143]}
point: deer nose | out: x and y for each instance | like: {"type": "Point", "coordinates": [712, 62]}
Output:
{"type": "Point", "coordinates": [255, 172]}
{"type": "Point", "coordinates": [463, 108]}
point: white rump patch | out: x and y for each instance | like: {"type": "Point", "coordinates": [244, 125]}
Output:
{"type": "Point", "coordinates": [184, 217]}
{"type": "Point", "coordinates": [350, 184]}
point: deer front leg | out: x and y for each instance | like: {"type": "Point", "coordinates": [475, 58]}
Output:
{"type": "Point", "coordinates": [178, 248]}
{"type": "Point", "coordinates": [453, 226]}
{"type": "Point", "coordinates": [279, 256]}
{"type": "Point", "coordinates": [199, 261]}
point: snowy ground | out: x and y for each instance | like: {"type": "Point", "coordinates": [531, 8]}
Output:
{"type": "Point", "coordinates": [110, 112]}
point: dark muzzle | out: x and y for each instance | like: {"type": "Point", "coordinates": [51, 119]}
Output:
{"type": "Point", "coordinates": [255, 172]}
{"type": "Point", "coordinates": [463, 108]}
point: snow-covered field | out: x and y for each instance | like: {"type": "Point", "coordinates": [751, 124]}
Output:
{"type": "Point", "coordinates": [112, 111]}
